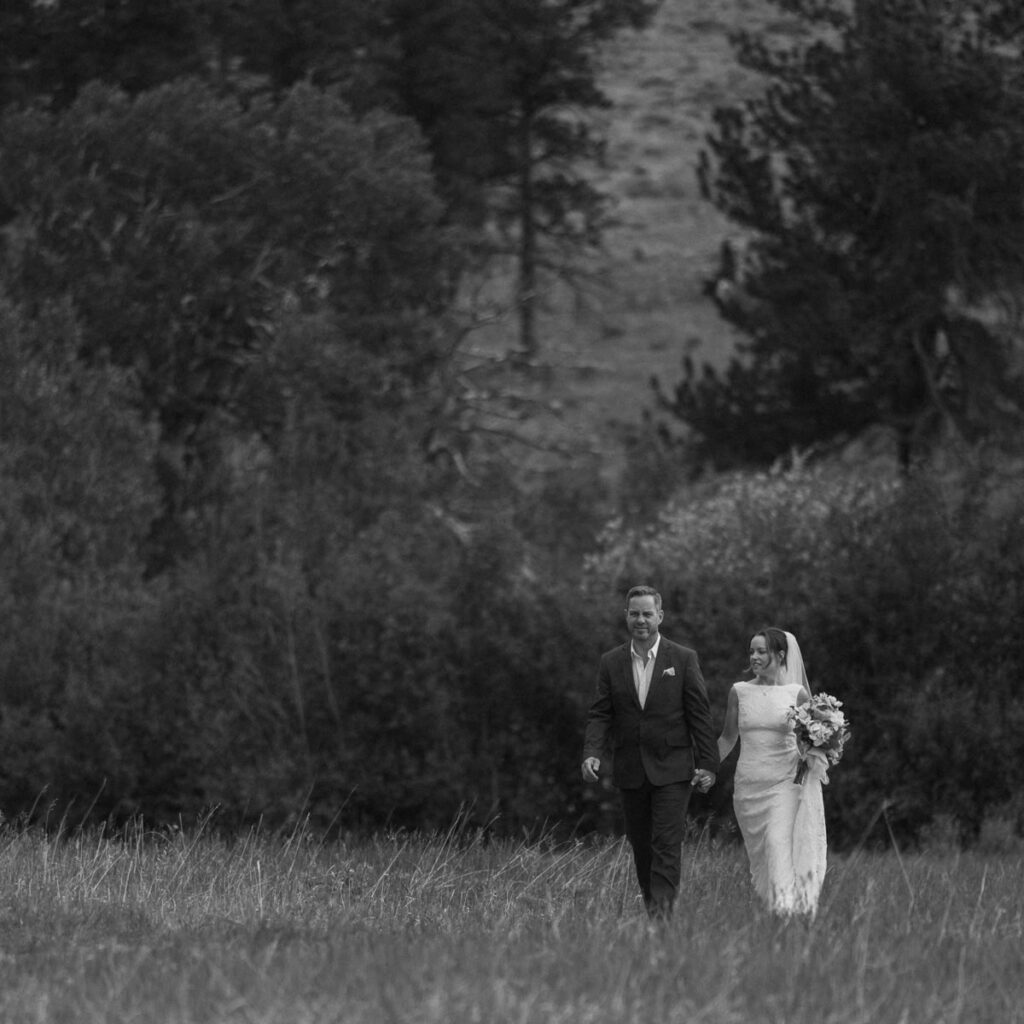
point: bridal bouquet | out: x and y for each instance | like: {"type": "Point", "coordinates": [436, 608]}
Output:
{"type": "Point", "coordinates": [821, 727]}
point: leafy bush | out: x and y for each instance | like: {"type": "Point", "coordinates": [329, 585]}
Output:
{"type": "Point", "coordinates": [191, 232]}
{"type": "Point", "coordinates": [77, 494]}
{"type": "Point", "coordinates": [906, 597]}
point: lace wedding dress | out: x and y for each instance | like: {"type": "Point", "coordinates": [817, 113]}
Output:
{"type": "Point", "coordinates": [783, 824]}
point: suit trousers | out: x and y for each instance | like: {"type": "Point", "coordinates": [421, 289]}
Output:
{"type": "Point", "coordinates": [655, 819]}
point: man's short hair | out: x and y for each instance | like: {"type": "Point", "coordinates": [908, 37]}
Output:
{"type": "Point", "coordinates": [644, 591]}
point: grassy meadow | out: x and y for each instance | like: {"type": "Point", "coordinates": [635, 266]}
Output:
{"type": "Point", "coordinates": [191, 927]}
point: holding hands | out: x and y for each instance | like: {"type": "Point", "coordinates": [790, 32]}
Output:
{"type": "Point", "coordinates": [702, 779]}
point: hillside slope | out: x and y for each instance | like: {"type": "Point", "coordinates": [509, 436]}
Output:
{"type": "Point", "coordinates": [645, 307]}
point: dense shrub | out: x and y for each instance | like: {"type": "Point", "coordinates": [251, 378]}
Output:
{"type": "Point", "coordinates": [238, 568]}
{"type": "Point", "coordinates": [340, 646]}
{"type": "Point", "coordinates": [906, 595]}
{"type": "Point", "coordinates": [77, 495]}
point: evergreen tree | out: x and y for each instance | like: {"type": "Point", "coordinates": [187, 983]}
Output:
{"type": "Point", "coordinates": [328, 43]}
{"type": "Point", "coordinates": [50, 50]}
{"type": "Point", "coordinates": [503, 90]}
{"type": "Point", "coordinates": [880, 183]}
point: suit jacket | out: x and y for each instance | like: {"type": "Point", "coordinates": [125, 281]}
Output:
{"type": "Point", "coordinates": [666, 739]}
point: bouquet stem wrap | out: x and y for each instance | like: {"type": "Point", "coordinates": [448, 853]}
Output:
{"type": "Point", "coordinates": [813, 765]}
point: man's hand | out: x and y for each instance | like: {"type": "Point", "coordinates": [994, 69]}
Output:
{"type": "Point", "coordinates": [591, 766]}
{"type": "Point", "coordinates": [702, 780]}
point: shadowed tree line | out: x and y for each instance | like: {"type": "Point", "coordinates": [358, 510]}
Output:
{"type": "Point", "coordinates": [259, 551]}
{"type": "Point", "coordinates": [260, 547]}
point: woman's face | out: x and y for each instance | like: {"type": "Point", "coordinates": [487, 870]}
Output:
{"type": "Point", "coordinates": [763, 662]}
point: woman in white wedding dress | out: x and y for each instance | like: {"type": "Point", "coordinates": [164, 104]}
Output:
{"type": "Point", "coordinates": [782, 822]}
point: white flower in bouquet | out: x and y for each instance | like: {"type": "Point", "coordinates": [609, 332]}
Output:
{"type": "Point", "coordinates": [821, 729]}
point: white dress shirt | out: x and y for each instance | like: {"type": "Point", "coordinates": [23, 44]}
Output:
{"type": "Point", "coordinates": [643, 668]}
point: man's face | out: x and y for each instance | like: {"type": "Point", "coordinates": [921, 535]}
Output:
{"type": "Point", "coordinates": [643, 618]}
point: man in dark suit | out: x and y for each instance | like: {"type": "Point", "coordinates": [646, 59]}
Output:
{"type": "Point", "coordinates": [651, 708]}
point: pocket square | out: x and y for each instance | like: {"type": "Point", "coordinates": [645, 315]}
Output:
{"type": "Point", "coordinates": [669, 672]}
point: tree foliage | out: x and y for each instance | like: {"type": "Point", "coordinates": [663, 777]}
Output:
{"type": "Point", "coordinates": [504, 89]}
{"type": "Point", "coordinates": [52, 50]}
{"type": "Point", "coordinates": [185, 228]}
{"type": "Point", "coordinates": [240, 387]}
{"type": "Point", "coordinates": [880, 183]}
{"type": "Point", "coordinates": [331, 44]}
{"type": "Point", "coordinates": [77, 495]}
{"type": "Point", "coordinates": [339, 646]}
{"type": "Point", "coordinates": [256, 551]}
{"type": "Point", "coordinates": [906, 597]}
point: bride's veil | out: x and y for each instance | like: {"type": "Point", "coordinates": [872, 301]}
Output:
{"type": "Point", "coordinates": [794, 669]}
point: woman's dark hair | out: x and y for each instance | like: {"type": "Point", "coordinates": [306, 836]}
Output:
{"type": "Point", "coordinates": [775, 640]}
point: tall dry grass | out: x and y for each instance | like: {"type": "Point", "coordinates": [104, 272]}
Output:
{"type": "Point", "coordinates": [196, 927]}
